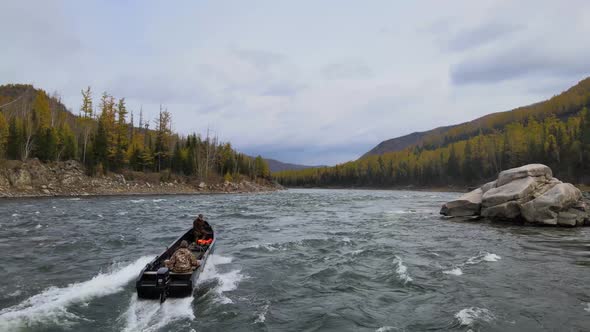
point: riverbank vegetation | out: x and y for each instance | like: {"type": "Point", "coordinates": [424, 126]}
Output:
{"type": "Point", "coordinates": [555, 132]}
{"type": "Point", "coordinates": [111, 138]}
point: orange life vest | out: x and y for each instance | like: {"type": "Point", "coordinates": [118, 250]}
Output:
{"type": "Point", "coordinates": [203, 242]}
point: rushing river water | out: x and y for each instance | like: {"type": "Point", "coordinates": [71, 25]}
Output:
{"type": "Point", "coordinates": [297, 260]}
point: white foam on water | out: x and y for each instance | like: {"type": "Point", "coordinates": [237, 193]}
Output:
{"type": "Point", "coordinates": [74, 199]}
{"type": "Point", "coordinates": [15, 293]}
{"type": "Point", "coordinates": [456, 272]}
{"type": "Point", "coordinates": [267, 246]}
{"type": "Point", "coordinates": [486, 256]}
{"type": "Point", "coordinates": [150, 315]}
{"type": "Point", "coordinates": [226, 281]}
{"type": "Point", "coordinates": [51, 305]}
{"type": "Point", "coordinates": [15, 215]}
{"type": "Point", "coordinates": [346, 239]}
{"type": "Point", "coordinates": [587, 309]}
{"type": "Point", "coordinates": [37, 212]}
{"type": "Point", "coordinates": [469, 315]}
{"type": "Point", "coordinates": [357, 252]}
{"type": "Point", "coordinates": [122, 213]}
{"type": "Point", "coordinates": [219, 260]}
{"type": "Point", "coordinates": [262, 315]}
{"type": "Point", "coordinates": [386, 329]}
{"type": "Point", "coordinates": [491, 257]}
{"type": "Point", "coordinates": [137, 201]}
{"type": "Point", "coordinates": [38, 226]}
{"type": "Point", "coordinates": [402, 270]}
{"type": "Point", "coordinates": [158, 200]}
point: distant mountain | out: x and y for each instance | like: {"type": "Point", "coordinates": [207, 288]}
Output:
{"type": "Point", "coordinates": [277, 166]}
{"type": "Point", "coordinates": [400, 143]}
{"type": "Point", "coordinates": [564, 105]}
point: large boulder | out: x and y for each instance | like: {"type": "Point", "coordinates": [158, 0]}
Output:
{"type": "Point", "coordinates": [528, 193]}
{"type": "Point", "coordinates": [511, 191]}
{"type": "Point", "coordinates": [508, 210]}
{"type": "Point", "coordinates": [546, 208]}
{"type": "Point", "coordinates": [467, 205]}
{"type": "Point", "coordinates": [532, 170]}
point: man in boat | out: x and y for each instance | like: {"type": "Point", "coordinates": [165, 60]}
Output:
{"type": "Point", "coordinates": [182, 260]}
{"type": "Point", "coordinates": [202, 231]}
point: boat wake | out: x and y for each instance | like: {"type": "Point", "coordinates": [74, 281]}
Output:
{"type": "Point", "coordinates": [51, 305]}
{"type": "Point", "coordinates": [146, 315]}
{"type": "Point", "coordinates": [227, 281]}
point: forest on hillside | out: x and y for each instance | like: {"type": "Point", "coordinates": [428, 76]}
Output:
{"type": "Point", "coordinates": [34, 124]}
{"type": "Point", "coordinates": [555, 132]}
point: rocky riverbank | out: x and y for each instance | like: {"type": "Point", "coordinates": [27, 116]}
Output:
{"type": "Point", "coordinates": [35, 179]}
{"type": "Point", "coordinates": [529, 193]}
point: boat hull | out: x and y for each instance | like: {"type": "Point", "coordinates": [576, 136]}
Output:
{"type": "Point", "coordinates": [180, 284]}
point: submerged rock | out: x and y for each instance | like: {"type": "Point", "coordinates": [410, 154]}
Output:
{"type": "Point", "coordinates": [528, 193]}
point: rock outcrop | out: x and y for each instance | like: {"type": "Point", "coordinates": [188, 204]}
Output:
{"type": "Point", "coordinates": [529, 193]}
{"type": "Point", "coordinates": [34, 178]}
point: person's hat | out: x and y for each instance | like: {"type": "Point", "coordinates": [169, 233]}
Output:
{"type": "Point", "coordinates": [184, 244]}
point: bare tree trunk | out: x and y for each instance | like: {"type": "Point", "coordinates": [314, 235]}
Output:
{"type": "Point", "coordinates": [207, 155]}
{"type": "Point", "coordinates": [86, 134]}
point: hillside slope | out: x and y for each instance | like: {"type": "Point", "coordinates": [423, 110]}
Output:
{"type": "Point", "coordinates": [566, 104]}
{"type": "Point", "coordinates": [107, 139]}
{"type": "Point", "coordinates": [555, 132]}
{"type": "Point", "coordinates": [278, 166]}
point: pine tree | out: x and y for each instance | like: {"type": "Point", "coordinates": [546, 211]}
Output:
{"type": "Point", "coordinates": [86, 121]}
{"type": "Point", "coordinates": [15, 139]}
{"type": "Point", "coordinates": [3, 135]}
{"type": "Point", "coordinates": [122, 132]}
{"type": "Point", "coordinates": [163, 133]}
{"type": "Point", "coordinates": [453, 166]}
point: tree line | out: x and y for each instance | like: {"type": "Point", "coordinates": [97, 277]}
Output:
{"type": "Point", "coordinates": [561, 143]}
{"type": "Point", "coordinates": [34, 124]}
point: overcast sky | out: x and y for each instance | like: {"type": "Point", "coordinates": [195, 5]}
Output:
{"type": "Point", "coordinates": [310, 82]}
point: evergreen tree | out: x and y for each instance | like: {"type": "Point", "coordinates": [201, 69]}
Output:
{"type": "Point", "coordinates": [15, 139]}
{"type": "Point", "coordinates": [3, 135]}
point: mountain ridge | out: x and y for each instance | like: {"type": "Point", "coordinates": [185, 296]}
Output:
{"type": "Point", "coordinates": [562, 105]}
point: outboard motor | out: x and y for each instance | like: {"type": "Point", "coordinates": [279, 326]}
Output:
{"type": "Point", "coordinates": [162, 282]}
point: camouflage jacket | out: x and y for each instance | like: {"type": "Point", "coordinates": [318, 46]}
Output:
{"type": "Point", "coordinates": [183, 260]}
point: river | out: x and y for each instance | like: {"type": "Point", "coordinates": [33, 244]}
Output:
{"type": "Point", "coordinates": [295, 260]}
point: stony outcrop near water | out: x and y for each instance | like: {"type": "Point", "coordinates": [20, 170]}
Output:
{"type": "Point", "coordinates": [529, 193]}
{"type": "Point", "coordinates": [34, 178]}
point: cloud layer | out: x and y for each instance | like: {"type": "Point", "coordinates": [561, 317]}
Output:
{"type": "Point", "coordinates": [302, 82]}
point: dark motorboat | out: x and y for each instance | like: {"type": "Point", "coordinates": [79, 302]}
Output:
{"type": "Point", "coordinates": [156, 281]}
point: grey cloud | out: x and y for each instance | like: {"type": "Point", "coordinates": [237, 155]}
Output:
{"type": "Point", "coordinates": [481, 35]}
{"type": "Point", "coordinates": [259, 58]}
{"type": "Point", "coordinates": [346, 70]}
{"type": "Point", "coordinates": [519, 62]}
{"type": "Point", "coordinates": [38, 29]}
{"type": "Point", "coordinates": [283, 89]}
